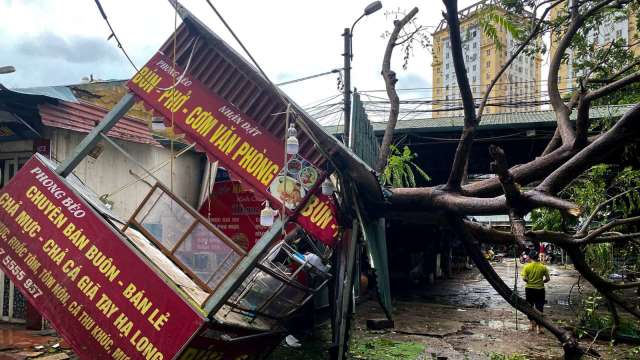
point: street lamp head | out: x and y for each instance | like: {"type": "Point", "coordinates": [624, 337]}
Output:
{"type": "Point", "coordinates": [7, 69]}
{"type": "Point", "coordinates": [373, 7]}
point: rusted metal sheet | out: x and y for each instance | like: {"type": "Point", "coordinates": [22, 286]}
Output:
{"type": "Point", "coordinates": [82, 117]}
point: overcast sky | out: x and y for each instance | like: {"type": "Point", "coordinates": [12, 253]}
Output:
{"type": "Point", "coordinates": [60, 42]}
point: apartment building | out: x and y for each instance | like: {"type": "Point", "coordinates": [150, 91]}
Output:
{"type": "Point", "coordinates": [518, 89]}
{"type": "Point", "coordinates": [620, 25]}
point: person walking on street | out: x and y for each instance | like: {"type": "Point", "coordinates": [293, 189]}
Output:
{"type": "Point", "coordinates": [535, 275]}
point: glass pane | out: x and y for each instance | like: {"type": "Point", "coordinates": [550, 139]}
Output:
{"type": "Point", "coordinates": [226, 267]}
{"type": "Point", "coordinates": [164, 218]}
{"type": "Point", "coordinates": [288, 300]}
{"type": "Point", "coordinates": [204, 253]}
{"type": "Point", "coordinates": [256, 290]}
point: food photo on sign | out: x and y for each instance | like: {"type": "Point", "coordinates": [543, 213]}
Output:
{"type": "Point", "coordinates": [294, 181]}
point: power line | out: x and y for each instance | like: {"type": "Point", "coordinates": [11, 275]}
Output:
{"type": "Point", "coordinates": [113, 34]}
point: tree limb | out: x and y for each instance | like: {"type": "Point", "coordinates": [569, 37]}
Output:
{"type": "Point", "coordinates": [615, 318]}
{"type": "Point", "coordinates": [390, 80]}
{"type": "Point", "coordinates": [439, 199]}
{"type": "Point", "coordinates": [553, 144]}
{"type": "Point", "coordinates": [534, 170]}
{"type": "Point", "coordinates": [611, 87]}
{"type": "Point", "coordinates": [589, 220]}
{"type": "Point", "coordinates": [582, 121]}
{"type": "Point", "coordinates": [625, 129]}
{"type": "Point", "coordinates": [461, 156]}
{"type": "Point", "coordinates": [571, 347]}
{"type": "Point", "coordinates": [512, 193]}
{"type": "Point", "coordinates": [604, 287]}
{"type": "Point", "coordinates": [559, 107]}
{"type": "Point", "coordinates": [604, 228]}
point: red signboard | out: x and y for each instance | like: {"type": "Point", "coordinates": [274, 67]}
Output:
{"type": "Point", "coordinates": [74, 268]}
{"type": "Point", "coordinates": [235, 211]}
{"type": "Point", "coordinates": [318, 217]}
{"type": "Point", "coordinates": [225, 133]}
{"type": "Point", "coordinates": [216, 126]}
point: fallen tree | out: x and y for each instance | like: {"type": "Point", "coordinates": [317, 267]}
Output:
{"type": "Point", "coordinates": [573, 150]}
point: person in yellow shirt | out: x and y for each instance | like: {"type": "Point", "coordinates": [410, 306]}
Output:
{"type": "Point", "coordinates": [535, 274]}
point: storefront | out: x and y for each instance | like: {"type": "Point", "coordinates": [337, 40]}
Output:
{"type": "Point", "coordinates": [50, 121]}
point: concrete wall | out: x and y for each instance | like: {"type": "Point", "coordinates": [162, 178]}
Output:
{"type": "Point", "coordinates": [110, 171]}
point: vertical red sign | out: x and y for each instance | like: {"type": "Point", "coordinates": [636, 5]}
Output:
{"type": "Point", "coordinates": [73, 267]}
{"type": "Point", "coordinates": [235, 211]}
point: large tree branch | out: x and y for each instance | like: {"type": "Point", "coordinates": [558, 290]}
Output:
{"type": "Point", "coordinates": [514, 199]}
{"type": "Point", "coordinates": [569, 343]}
{"type": "Point", "coordinates": [613, 86]}
{"type": "Point", "coordinates": [461, 156]}
{"type": "Point", "coordinates": [553, 143]}
{"type": "Point", "coordinates": [390, 80]}
{"type": "Point", "coordinates": [582, 121]}
{"type": "Point", "coordinates": [523, 174]}
{"type": "Point", "coordinates": [625, 129]}
{"type": "Point", "coordinates": [560, 108]}
{"type": "Point", "coordinates": [591, 236]}
{"type": "Point", "coordinates": [439, 199]}
{"type": "Point", "coordinates": [606, 288]}
{"type": "Point", "coordinates": [585, 225]}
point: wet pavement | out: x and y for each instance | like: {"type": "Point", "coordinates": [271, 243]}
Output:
{"type": "Point", "coordinates": [17, 343]}
{"type": "Point", "coordinates": [458, 318]}
{"type": "Point", "coordinates": [464, 318]}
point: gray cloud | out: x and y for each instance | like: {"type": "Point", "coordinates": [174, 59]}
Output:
{"type": "Point", "coordinates": [412, 80]}
{"type": "Point", "coordinates": [76, 50]}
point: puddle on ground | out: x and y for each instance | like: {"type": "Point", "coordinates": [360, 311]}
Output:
{"type": "Point", "coordinates": [16, 337]}
{"type": "Point", "coordinates": [564, 302]}
{"type": "Point", "coordinates": [505, 324]}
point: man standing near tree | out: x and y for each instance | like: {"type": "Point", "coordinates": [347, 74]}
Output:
{"type": "Point", "coordinates": [535, 274]}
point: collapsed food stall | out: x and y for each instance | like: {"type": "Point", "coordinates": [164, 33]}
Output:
{"type": "Point", "coordinates": [169, 281]}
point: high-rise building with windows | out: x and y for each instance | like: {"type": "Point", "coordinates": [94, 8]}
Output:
{"type": "Point", "coordinates": [618, 25]}
{"type": "Point", "coordinates": [518, 89]}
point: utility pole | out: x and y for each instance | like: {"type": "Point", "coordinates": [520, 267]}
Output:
{"type": "Point", "coordinates": [347, 87]}
{"type": "Point", "coordinates": [348, 55]}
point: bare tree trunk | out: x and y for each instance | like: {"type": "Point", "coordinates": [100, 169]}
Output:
{"type": "Point", "coordinates": [390, 80]}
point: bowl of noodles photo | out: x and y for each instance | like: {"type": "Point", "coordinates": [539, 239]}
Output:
{"type": "Point", "coordinates": [308, 177]}
{"type": "Point", "coordinates": [288, 190]}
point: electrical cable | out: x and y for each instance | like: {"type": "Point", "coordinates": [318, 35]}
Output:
{"type": "Point", "coordinates": [113, 34]}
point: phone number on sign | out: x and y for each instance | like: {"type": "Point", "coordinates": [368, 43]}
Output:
{"type": "Point", "coordinates": [15, 269]}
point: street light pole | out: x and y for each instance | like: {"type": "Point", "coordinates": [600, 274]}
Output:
{"type": "Point", "coordinates": [347, 86]}
{"type": "Point", "coordinates": [348, 55]}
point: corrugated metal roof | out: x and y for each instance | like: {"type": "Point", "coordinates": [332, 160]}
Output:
{"type": "Point", "coordinates": [55, 92]}
{"type": "Point", "coordinates": [83, 117]}
{"type": "Point", "coordinates": [491, 121]}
